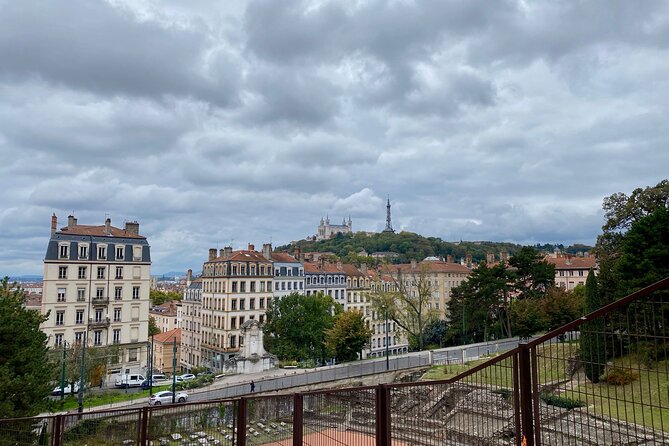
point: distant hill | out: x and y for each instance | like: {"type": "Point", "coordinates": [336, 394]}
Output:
{"type": "Point", "coordinates": [410, 246]}
{"type": "Point", "coordinates": [26, 278]}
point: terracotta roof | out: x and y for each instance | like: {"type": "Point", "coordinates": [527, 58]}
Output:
{"type": "Point", "coordinates": [166, 309]}
{"type": "Point", "coordinates": [168, 336]}
{"type": "Point", "coordinates": [242, 256]}
{"type": "Point", "coordinates": [283, 257]}
{"type": "Point", "coordinates": [572, 262]}
{"type": "Point", "coordinates": [351, 270]}
{"type": "Point", "coordinates": [433, 266]}
{"type": "Point", "coordinates": [98, 231]}
{"type": "Point", "coordinates": [315, 267]}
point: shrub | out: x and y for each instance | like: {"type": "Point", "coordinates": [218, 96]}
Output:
{"type": "Point", "coordinates": [560, 401]}
{"type": "Point", "coordinates": [617, 376]}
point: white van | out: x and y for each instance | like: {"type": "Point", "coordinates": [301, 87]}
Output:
{"type": "Point", "coordinates": [126, 381]}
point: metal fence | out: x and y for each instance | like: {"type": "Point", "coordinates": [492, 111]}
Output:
{"type": "Point", "coordinates": [606, 385]}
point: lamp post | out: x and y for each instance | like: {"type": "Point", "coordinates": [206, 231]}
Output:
{"type": "Point", "coordinates": [174, 368]}
{"type": "Point", "coordinates": [62, 373]}
{"type": "Point", "coordinates": [151, 368]}
{"type": "Point", "coordinates": [387, 340]}
{"type": "Point", "coordinates": [81, 376]}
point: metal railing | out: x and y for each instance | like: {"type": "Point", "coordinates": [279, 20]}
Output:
{"type": "Point", "coordinates": [607, 386]}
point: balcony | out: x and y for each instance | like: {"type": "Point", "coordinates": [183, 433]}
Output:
{"type": "Point", "coordinates": [100, 301]}
{"type": "Point", "coordinates": [98, 323]}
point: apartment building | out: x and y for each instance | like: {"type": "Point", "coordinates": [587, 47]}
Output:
{"type": "Point", "coordinates": [164, 346]}
{"type": "Point", "coordinates": [288, 272]}
{"type": "Point", "coordinates": [165, 316]}
{"type": "Point", "coordinates": [327, 278]}
{"type": "Point", "coordinates": [96, 287]}
{"type": "Point", "coordinates": [236, 287]}
{"type": "Point", "coordinates": [191, 323]}
{"type": "Point", "coordinates": [571, 271]}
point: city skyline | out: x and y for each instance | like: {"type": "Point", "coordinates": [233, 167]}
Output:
{"type": "Point", "coordinates": [222, 124]}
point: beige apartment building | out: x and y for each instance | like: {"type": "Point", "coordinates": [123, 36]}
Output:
{"type": "Point", "coordinates": [571, 271]}
{"type": "Point", "coordinates": [163, 352]}
{"type": "Point", "coordinates": [191, 323]}
{"type": "Point", "coordinates": [236, 287]}
{"type": "Point", "coordinates": [96, 287]}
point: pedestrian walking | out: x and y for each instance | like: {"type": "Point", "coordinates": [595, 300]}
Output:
{"type": "Point", "coordinates": [253, 387]}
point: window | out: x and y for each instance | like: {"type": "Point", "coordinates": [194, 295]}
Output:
{"type": "Point", "coordinates": [242, 304]}
{"type": "Point", "coordinates": [580, 273]}
{"type": "Point", "coordinates": [262, 303]}
{"type": "Point", "coordinates": [80, 317]}
{"type": "Point", "coordinates": [117, 315]}
{"type": "Point", "coordinates": [81, 294]}
{"type": "Point", "coordinates": [100, 292]}
{"type": "Point", "coordinates": [60, 317]}
{"type": "Point", "coordinates": [561, 273]}
{"type": "Point", "coordinates": [261, 318]}
{"type": "Point", "coordinates": [253, 286]}
{"type": "Point", "coordinates": [132, 354]}
{"type": "Point", "coordinates": [61, 295]}
{"type": "Point", "coordinates": [83, 251]}
{"type": "Point", "coordinates": [283, 285]}
{"type": "Point", "coordinates": [97, 337]}
{"type": "Point", "coordinates": [102, 252]}
{"type": "Point", "coordinates": [135, 292]}
{"type": "Point", "coordinates": [118, 292]}
{"type": "Point", "coordinates": [58, 339]}
{"type": "Point", "coordinates": [62, 272]}
{"type": "Point", "coordinates": [78, 337]}
{"type": "Point", "coordinates": [233, 341]}
{"type": "Point", "coordinates": [233, 323]}
{"type": "Point", "coordinates": [269, 301]}
{"type": "Point", "coordinates": [242, 287]}
{"type": "Point", "coordinates": [119, 252]}
{"type": "Point", "coordinates": [98, 315]}
{"type": "Point", "coordinates": [63, 251]}
{"type": "Point", "coordinates": [101, 272]}
{"type": "Point", "coordinates": [137, 253]}
{"type": "Point", "coordinates": [82, 272]}
{"type": "Point", "coordinates": [241, 321]}
{"type": "Point", "coordinates": [116, 337]}
{"type": "Point", "coordinates": [252, 304]}
{"type": "Point", "coordinates": [234, 287]}
{"type": "Point", "coordinates": [233, 304]}
{"type": "Point", "coordinates": [262, 286]}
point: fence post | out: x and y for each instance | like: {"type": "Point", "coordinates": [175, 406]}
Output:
{"type": "Point", "coordinates": [382, 415]}
{"type": "Point", "coordinates": [298, 419]}
{"type": "Point", "coordinates": [242, 405]}
{"type": "Point", "coordinates": [143, 425]}
{"type": "Point", "coordinates": [526, 403]}
{"type": "Point", "coordinates": [57, 439]}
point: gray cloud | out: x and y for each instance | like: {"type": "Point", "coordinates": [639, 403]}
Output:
{"type": "Point", "coordinates": [215, 123]}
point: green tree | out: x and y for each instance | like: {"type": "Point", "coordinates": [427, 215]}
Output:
{"type": "Point", "coordinates": [407, 300]}
{"type": "Point", "coordinates": [25, 371]}
{"type": "Point", "coordinates": [526, 317]}
{"type": "Point", "coordinates": [295, 326]}
{"type": "Point", "coordinates": [435, 333]}
{"type": "Point", "coordinates": [159, 297]}
{"type": "Point", "coordinates": [153, 328]}
{"type": "Point", "coordinates": [532, 276]}
{"type": "Point", "coordinates": [348, 336]}
{"type": "Point", "coordinates": [592, 339]}
{"type": "Point", "coordinates": [560, 307]}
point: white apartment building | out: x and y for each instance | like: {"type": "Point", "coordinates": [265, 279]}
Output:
{"type": "Point", "coordinates": [327, 278]}
{"type": "Point", "coordinates": [96, 286]}
{"type": "Point", "coordinates": [288, 272]}
{"type": "Point", "coordinates": [191, 323]}
{"type": "Point", "coordinates": [236, 287]}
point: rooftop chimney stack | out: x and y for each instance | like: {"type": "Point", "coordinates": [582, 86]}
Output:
{"type": "Point", "coordinates": [107, 226]}
{"type": "Point", "coordinates": [267, 251]}
{"type": "Point", "coordinates": [504, 256]}
{"type": "Point", "coordinates": [468, 260]}
{"type": "Point", "coordinates": [490, 258]}
{"type": "Point", "coordinates": [71, 221]}
{"type": "Point", "coordinates": [221, 253]}
{"type": "Point", "coordinates": [251, 247]}
{"type": "Point", "coordinates": [212, 254]}
{"type": "Point", "coordinates": [189, 277]}
{"type": "Point", "coordinates": [414, 264]}
{"type": "Point", "coordinates": [228, 250]}
{"type": "Point", "coordinates": [363, 268]}
{"type": "Point", "coordinates": [54, 223]}
{"type": "Point", "coordinates": [132, 227]}
{"type": "Point", "coordinates": [449, 259]}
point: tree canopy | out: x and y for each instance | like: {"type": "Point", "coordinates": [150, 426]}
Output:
{"type": "Point", "coordinates": [25, 371]}
{"type": "Point", "coordinates": [348, 336]}
{"type": "Point", "coordinates": [296, 326]}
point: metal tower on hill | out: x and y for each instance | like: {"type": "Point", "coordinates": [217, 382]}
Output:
{"type": "Point", "coordinates": [389, 225]}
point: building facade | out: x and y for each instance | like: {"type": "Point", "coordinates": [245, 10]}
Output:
{"type": "Point", "coordinates": [165, 316]}
{"type": "Point", "coordinates": [191, 323]}
{"type": "Point", "coordinates": [288, 273]}
{"type": "Point", "coordinates": [236, 287]}
{"type": "Point", "coordinates": [327, 278]}
{"type": "Point", "coordinates": [571, 271]}
{"type": "Point", "coordinates": [96, 287]}
{"type": "Point", "coordinates": [164, 346]}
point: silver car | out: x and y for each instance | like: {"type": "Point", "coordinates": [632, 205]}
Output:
{"type": "Point", "coordinates": [165, 397]}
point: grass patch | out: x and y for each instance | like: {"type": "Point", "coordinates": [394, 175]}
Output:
{"type": "Point", "coordinates": [95, 399]}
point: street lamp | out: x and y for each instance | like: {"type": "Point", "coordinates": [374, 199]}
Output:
{"type": "Point", "coordinates": [387, 339]}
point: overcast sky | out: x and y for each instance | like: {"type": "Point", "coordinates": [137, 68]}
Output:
{"type": "Point", "coordinates": [214, 122]}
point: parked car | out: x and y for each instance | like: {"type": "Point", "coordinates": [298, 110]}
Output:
{"type": "Point", "coordinates": [158, 380]}
{"type": "Point", "coordinates": [67, 390]}
{"type": "Point", "coordinates": [126, 381]}
{"type": "Point", "coordinates": [186, 377]}
{"type": "Point", "coordinates": [165, 397]}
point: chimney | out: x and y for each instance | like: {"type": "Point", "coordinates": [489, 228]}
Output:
{"type": "Point", "coordinates": [363, 268]}
{"type": "Point", "coordinates": [468, 260]}
{"type": "Point", "coordinates": [449, 259]}
{"type": "Point", "coordinates": [107, 225]}
{"type": "Point", "coordinates": [71, 221]}
{"type": "Point", "coordinates": [414, 264]}
{"type": "Point", "coordinates": [298, 254]}
{"type": "Point", "coordinates": [54, 223]}
{"type": "Point", "coordinates": [132, 227]}
{"type": "Point", "coordinates": [490, 258]}
{"type": "Point", "coordinates": [212, 254]}
{"type": "Point", "coordinates": [228, 250]}
{"type": "Point", "coordinates": [189, 277]}
{"type": "Point", "coordinates": [267, 251]}
{"type": "Point", "coordinates": [221, 253]}
{"type": "Point", "coordinates": [321, 262]}
{"type": "Point", "coordinates": [504, 256]}
{"type": "Point", "coordinates": [251, 247]}
{"type": "Point", "coordinates": [339, 264]}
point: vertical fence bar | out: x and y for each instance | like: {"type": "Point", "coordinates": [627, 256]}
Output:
{"type": "Point", "coordinates": [516, 401]}
{"type": "Point", "coordinates": [525, 371]}
{"type": "Point", "coordinates": [143, 425]}
{"type": "Point", "coordinates": [383, 415]}
{"type": "Point", "coordinates": [242, 412]}
{"type": "Point", "coordinates": [536, 397]}
{"type": "Point", "coordinates": [57, 439]}
{"type": "Point", "coordinates": [298, 419]}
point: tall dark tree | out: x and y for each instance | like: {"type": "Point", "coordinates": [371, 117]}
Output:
{"type": "Point", "coordinates": [25, 372]}
{"type": "Point", "coordinates": [348, 336]}
{"type": "Point", "coordinates": [593, 339]}
{"type": "Point", "coordinates": [532, 276]}
{"type": "Point", "coordinates": [296, 325]}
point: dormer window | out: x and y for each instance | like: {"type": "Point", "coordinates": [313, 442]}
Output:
{"type": "Point", "coordinates": [83, 251]}
{"type": "Point", "coordinates": [119, 252]}
{"type": "Point", "coordinates": [102, 252]}
{"type": "Point", "coordinates": [63, 251]}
